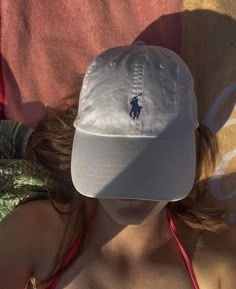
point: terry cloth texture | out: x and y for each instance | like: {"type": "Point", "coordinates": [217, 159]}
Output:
{"type": "Point", "coordinates": [46, 46]}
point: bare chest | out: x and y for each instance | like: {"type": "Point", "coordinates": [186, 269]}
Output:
{"type": "Point", "coordinates": [101, 277]}
{"type": "Point", "coordinates": [164, 271]}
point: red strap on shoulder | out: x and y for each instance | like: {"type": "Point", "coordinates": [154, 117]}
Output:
{"type": "Point", "coordinates": [184, 254]}
{"type": "Point", "coordinates": [70, 253]}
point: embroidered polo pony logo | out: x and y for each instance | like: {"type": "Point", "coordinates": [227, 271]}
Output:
{"type": "Point", "coordinates": [136, 108]}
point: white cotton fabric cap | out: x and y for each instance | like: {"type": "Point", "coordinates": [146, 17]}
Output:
{"type": "Point", "coordinates": [135, 128]}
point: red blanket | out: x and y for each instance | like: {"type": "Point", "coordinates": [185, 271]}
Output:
{"type": "Point", "coordinates": [46, 45]}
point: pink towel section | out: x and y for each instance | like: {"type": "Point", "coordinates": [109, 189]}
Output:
{"type": "Point", "coordinates": [2, 89]}
{"type": "Point", "coordinates": [47, 45]}
{"type": "Point", "coordinates": [2, 94]}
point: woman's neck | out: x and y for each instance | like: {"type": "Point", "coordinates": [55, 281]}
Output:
{"type": "Point", "coordinates": [135, 241]}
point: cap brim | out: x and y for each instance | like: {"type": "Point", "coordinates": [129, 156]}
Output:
{"type": "Point", "coordinates": [142, 168]}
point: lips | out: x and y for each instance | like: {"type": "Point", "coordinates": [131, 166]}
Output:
{"type": "Point", "coordinates": [127, 200]}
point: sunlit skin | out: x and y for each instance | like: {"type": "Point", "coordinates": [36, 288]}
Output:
{"type": "Point", "coordinates": [130, 226]}
{"type": "Point", "coordinates": [127, 212]}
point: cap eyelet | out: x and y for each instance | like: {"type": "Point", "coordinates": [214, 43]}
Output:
{"type": "Point", "coordinates": [112, 63]}
{"type": "Point", "coordinates": [163, 66]}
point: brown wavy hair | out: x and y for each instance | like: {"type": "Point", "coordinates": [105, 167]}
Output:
{"type": "Point", "coordinates": [50, 146]}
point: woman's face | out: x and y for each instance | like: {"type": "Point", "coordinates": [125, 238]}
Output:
{"type": "Point", "coordinates": [130, 212]}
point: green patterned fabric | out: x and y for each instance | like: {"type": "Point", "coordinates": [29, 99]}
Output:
{"type": "Point", "coordinates": [18, 177]}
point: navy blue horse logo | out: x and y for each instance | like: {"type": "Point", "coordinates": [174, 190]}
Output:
{"type": "Point", "coordinates": [136, 108]}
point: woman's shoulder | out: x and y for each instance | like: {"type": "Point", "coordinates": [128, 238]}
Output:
{"type": "Point", "coordinates": [221, 248]}
{"type": "Point", "coordinates": [29, 238]}
{"type": "Point", "coordinates": [216, 252]}
{"type": "Point", "coordinates": [40, 215]}
{"type": "Point", "coordinates": [221, 244]}
{"type": "Point", "coordinates": [213, 255]}
{"type": "Point", "coordinates": [40, 226]}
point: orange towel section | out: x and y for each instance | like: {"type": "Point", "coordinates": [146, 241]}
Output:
{"type": "Point", "coordinates": [209, 48]}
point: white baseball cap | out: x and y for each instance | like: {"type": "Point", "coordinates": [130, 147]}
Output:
{"type": "Point", "coordinates": [135, 128]}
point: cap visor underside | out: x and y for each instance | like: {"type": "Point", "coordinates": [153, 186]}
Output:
{"type": "Point", "coordinates": [142, 168]}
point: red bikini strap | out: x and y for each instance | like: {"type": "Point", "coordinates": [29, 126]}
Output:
{"type": "Point", "coordinates": [184, 254]}
{"type": "Point", "coordinates": [71, 252]}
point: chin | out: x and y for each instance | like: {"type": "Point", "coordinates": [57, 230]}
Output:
{"type": "Point", "coordinates": [126, 221]}
{"type": "Point", "coordinates": [129, 213]}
